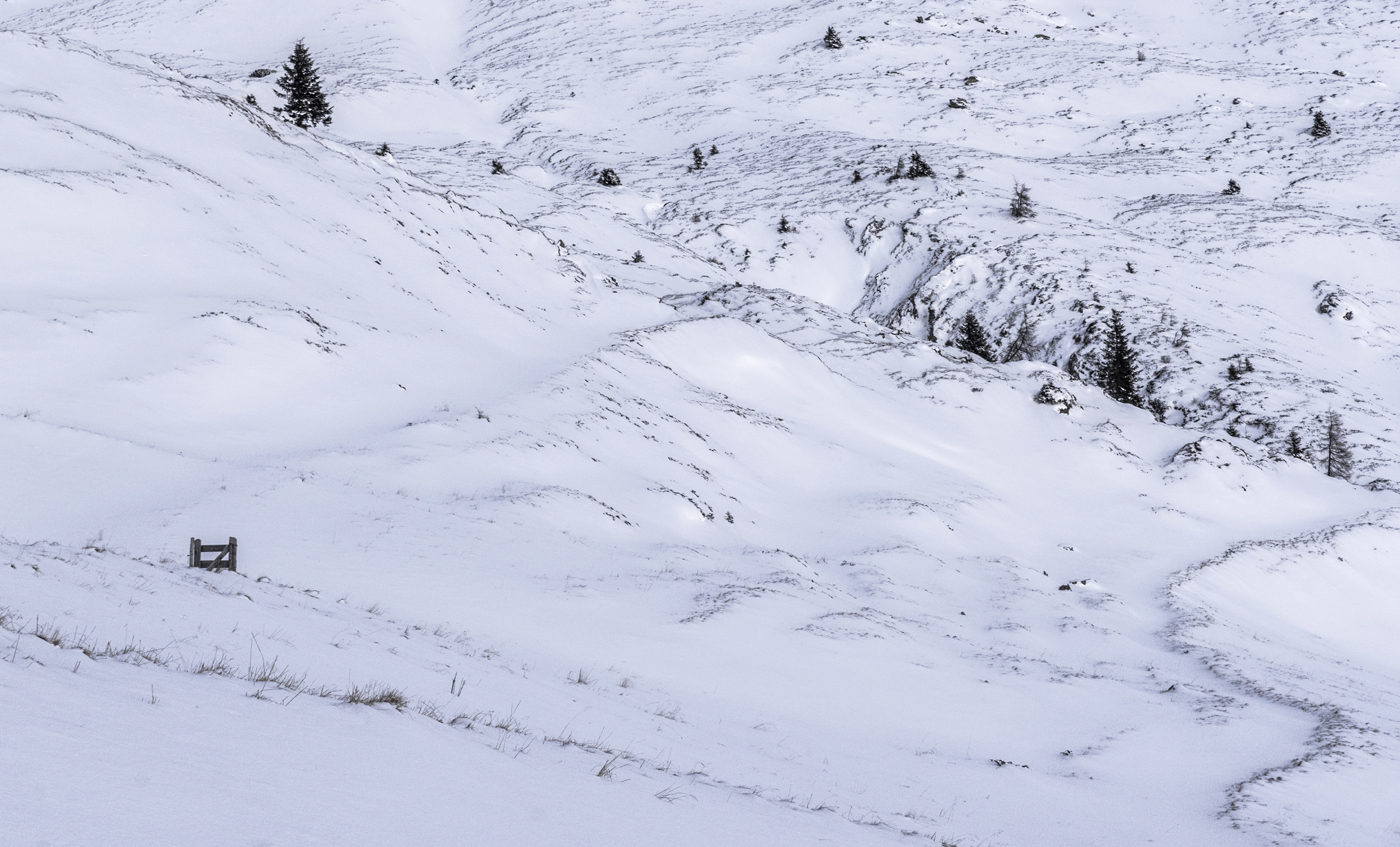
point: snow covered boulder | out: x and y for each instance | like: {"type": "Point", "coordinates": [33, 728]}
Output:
{"type": "Point", "coordinates": [1052, 395]}
{"type": "Point", "coordinates": [1335, 301]}
{"type": "Point", "coordinates": [1215, 452]}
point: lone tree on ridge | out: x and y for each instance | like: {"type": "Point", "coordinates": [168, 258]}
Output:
{"type": "Point", "coordinates": [300, 86]}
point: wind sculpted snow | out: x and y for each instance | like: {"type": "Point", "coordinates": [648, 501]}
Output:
{"type": "Point", "coordinates": [577, 514]}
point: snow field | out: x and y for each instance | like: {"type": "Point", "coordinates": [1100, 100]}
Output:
{"type": "Point", "coordinates": [823, 553]}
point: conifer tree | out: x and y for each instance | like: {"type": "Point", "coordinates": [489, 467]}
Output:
{"type": "Point", "coordinates": [917, 167]}
{"type": "Point", "coordinates": [609, 178]}
{"type": "Point", "coordinates": [832, 39]}
{"type": "Point", "coordinates": [784, 226]}
{"type": "Point", "coordinates": [1232, 189]}
{"type": "Point", "coordinates": [1021, 205]}
{"type": "Point", "coordinates": [697, 159]}
{"type": "Point", "coordinates": [1293, 446]}
{"type": "Point", "coordinates": [973, 339]}
{"type": "Point", "coordinates": [1119, 374]}
{"type": "Point", "coordinates": [1320, 127]}
{"type": "Point", "coordinates": [300, 86]}
{"type": "Point", "coordinates": [1336, 457]}
{"type": "Point", "coordinates": [1022, 346]}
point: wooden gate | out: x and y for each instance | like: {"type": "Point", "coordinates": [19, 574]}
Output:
{"type": "Point", "coordinates": [227, 558]}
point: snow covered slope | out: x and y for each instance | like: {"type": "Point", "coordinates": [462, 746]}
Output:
{"type": "Point", "coordinates": [719, 545]}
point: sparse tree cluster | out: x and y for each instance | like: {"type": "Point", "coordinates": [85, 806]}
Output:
{"type": "Point", "coordinates": [1333, 451]}
{"type": "Point", "coordinates": [917, 169]}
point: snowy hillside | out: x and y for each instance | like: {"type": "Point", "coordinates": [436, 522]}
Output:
{"type": "Point", "coordinates": [589, 515]}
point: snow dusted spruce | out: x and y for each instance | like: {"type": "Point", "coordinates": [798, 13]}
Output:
{"type": "Point", "coordinates": [581, 516]}
{"type": "Point", "coordinates": [300, 86]}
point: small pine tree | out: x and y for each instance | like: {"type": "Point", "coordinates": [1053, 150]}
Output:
{"type": "Point", "coordinates": [1320, 127]}
{"type": "Point", "coordinates": [973, 339]}
{"type": "Point", "coordinates": [1119, 375]}
{"type": "Point", "coordinates": [714, 150]}
{"type": "Point", "coordinates": [1232, 189]}
{"type": "Point", "coordinates": [383, 150]}
{"type": "Point", "coordinates": [1293, 446]}
{"type": "Point", "coordinates": [609, 178]}
{"type": "Point", "coordinates": [832, 39]}
{"type": "Point", "coordinates": [898, 170]}
{"type": "Point", "coordinates": [497, 168]}
{"type": "Point", "coordinates": [784, 226]}
{"type": "Point", "coordinates": [300, 86]}
{"type": "Point", "coordinates": [697, 159]}
{"type": "Point", "coordinates": [1336, 456]}
{"type": "Point", "coordinates": [856, 177]}
{"type": "Point", "coordinates": [917, 167]}
{"type": "Point", "coordinates": [637, 258]}
{"type": "Point", "coordinates": [1141, 57]}
{"type": "Point", "coordinates": [1021, 205]}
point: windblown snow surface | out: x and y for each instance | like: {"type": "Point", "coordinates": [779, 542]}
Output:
{"type": "Point", "coordinates": [614, 516]}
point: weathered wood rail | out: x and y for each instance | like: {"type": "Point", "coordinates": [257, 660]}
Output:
{"type": "Point", "coordinates": [227, 558]}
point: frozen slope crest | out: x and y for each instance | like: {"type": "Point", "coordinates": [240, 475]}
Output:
{"type": "Point", "coordinates": [1310, 621]}
{"type": "Point", "coordinates": [541, 544]}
